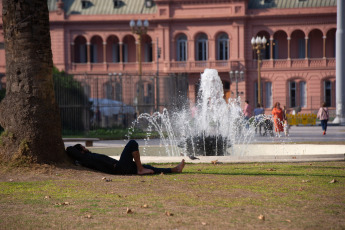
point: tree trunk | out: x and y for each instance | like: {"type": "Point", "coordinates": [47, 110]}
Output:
{"type": "Point", "coordinates": [29, 113]}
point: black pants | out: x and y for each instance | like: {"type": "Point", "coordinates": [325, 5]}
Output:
{"type": "Point", "coordinates": [126, 165]}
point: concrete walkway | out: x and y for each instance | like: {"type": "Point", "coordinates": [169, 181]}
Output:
{"type": "Point", "coordinates": [303, 144]}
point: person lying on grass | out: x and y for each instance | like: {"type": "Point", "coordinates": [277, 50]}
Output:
{"type": "Point", "coordinates": [125, 165]}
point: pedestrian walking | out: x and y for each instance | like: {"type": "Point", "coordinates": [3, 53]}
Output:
{"type": "Point", "coordinates": [247, 112]}
{"type": "Point", "coordinates": [258, 117]}
{"type": "Point", "coordinates": [323, 116]}
{"type": "Point", "coordinates": [278, 118]}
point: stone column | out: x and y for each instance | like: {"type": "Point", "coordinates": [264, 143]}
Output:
{"type": "Point", "coordinates": [340, 68]}
{"type": "Point", "coordinates": [289, 49]}
{"type": "Point", "coordinates": [121, 52]}
{"type": "Point", "coordinates": [271, 48]}
{"type": "Point", "coordinates": [72, 53]}
{"type": "Point", "coordinates": [104, 52]}
{"type": "Point", "coordinates": [306, 47]}
{"type": "Point", "coordinates": [88, 45]}
{"type": "Point", "coordinates": [153, 51]}
{"type": "Point", "coordinates": [324, 46]}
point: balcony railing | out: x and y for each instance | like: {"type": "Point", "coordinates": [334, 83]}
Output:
{"type": "Point", "coordinates": [294, 63]}
{"type": "Point", "coordinates": [199, 66]}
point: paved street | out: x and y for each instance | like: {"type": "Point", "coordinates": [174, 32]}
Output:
{"type": "Point", "coordinates": [302, 134]}
{"type": "Point", "coordinates": [312, 134]}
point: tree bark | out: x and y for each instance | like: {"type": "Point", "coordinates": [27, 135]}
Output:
{"type": "Point", "coordinates": [29, 113]}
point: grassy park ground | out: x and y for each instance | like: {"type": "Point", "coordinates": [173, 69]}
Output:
{"type": "Point", "coordinates": [308, 195]}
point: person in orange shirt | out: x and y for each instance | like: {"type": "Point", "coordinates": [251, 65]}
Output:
{"type": "Point", "coordinates": [278, 118]}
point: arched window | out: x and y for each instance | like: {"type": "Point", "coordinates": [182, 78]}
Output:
{"type": "Point", "coordinates": [80, 50]}
{"type": "Point", "coordinates": [96, 50]}
{"type": "Point", "coordinates": [201, 47]}
{"type": "Point", "coordinates": [223, 47]}
{"type": "Point", "coordinates": [181, 48]}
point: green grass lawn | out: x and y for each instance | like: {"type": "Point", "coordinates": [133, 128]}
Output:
{"type": "Point", "coordinates": [205, 196]}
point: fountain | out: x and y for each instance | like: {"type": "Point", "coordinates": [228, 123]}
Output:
{"type": "Point", "coordinates": [210, 128]}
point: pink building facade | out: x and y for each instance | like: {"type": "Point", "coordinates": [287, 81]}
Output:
{"type": "Point", "coordinates": [298, 65]}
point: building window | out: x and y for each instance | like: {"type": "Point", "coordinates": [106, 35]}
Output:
{"type": "Point", "coordinates": [85, 4]}
{"type": "Point", "coordinates": [108, 90]}
{"type": "Point", "coordinates": [301, 48]}
{"type": "Point", "coordinates": [115, 53]}
{"type": "Point", "coordinates": [292, 94]}
{"type": "Point", "coordinates": [117, 3]}
{"type": "Point", "coordinates": [125, 52]}
{"type": "Point", "coordinates": [82, 53]}
{"type": "Point", "coordinates": [118, 92]}
{"type": "Point", "coordinates": [275, 49]}
{"type": "Point", "coordinates": [328, 93]}
{"type": "Point", "coordinates": [148, 3]}
{"type": "Point", "coordinates": [303, 94]}
{"type": "Point", "coordinates": [87, 90]}
{"type": "Point", "coordinates": [182, 48]}
{"type": "Point", "coordinates": [149, 94]}
{"type": "Point", "coordinates": [223, 47]}
{"type": "Point", "coordinates": [201, 48]}
{"type": "Point", "coordinates": [93, 53]}
{"type": "Point", "coordinates": [269, 97]}
{"type": "Point", "coordinates": [148, 52]}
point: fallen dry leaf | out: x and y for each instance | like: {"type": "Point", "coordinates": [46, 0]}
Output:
{"type": "Point", "coordinates": [214, 162]}
{"type": "Point", "coordinates": [129, 211]}
{"type": "Point", "coordinates": [47, 197]}
{"type": "Point", "coordinates": [145, 206]}
{"type": "Point", "coordinates": [88, 216]}
{"type": "Point", "coordinates": [61, 204]}
{"type": "Point", "coordinates": [168, 213]}
{"type": "Point", "coordinates": [162, 173]}
{"type": "Point", "coordinates": [261, 217]}
{"type": "Point", "coordinates": [271, 170]}
{"type": "Point", "coordinates": [288, 221]}
{"type": "Point", "coordinates": [106, 180]}
{"type": "Point", "coordinates": [203, 223]}
{"type": "Point", "coordinates": [333, 181]}
{"type": "Point", "coordinates": [305, 181]}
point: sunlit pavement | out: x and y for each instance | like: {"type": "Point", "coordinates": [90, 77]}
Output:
{"type": "Point", "coordinates": [304, 144]}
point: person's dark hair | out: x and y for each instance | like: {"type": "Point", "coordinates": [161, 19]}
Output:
{"type": "Point", "coordinates": [79, 147]}
{"type": "Point", "coordinates": [259, 105]}
{"type": "Point", "coordinates": [246, 101]}
{"type": "Point", "coordinates": [324, 104]}
{"type": "Point", "coordinates": [276, 104]}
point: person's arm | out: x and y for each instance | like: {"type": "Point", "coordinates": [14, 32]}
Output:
{"type": "Point", "coordinates": [318, 116]}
